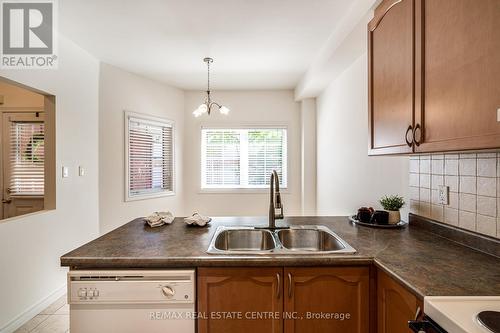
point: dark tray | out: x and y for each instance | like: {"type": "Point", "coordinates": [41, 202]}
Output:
{"type": "Point", "coordinates": [400, 224]}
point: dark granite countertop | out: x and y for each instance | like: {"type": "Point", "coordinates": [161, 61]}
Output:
{"type": "Point", "coordinates": [424, 262]}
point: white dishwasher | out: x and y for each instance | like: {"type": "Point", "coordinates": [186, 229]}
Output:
{"type": "Point", "coordinates": [131, 301]}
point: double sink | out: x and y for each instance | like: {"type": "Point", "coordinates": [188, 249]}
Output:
{"type": "Point", "coordinates": [307, 239]}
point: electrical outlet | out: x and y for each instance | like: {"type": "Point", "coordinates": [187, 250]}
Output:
{"type": "Point", "coordinates": [443, 194]}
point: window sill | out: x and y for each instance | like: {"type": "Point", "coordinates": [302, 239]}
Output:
{"type": "Point", "coordinates": [149, 196]}
{"type": "Point", "coordinates": [239, 191]}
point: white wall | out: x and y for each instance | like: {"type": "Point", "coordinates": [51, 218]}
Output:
{"type": "Point", "coordinates": [30, 246]}
{"type": "Point", "coordinates": [308, 155]}
{"type": "Point", "coordinates": [120, 90]}
{"type": "Point", "coordinates": [247, 108]}
{"type": "Point", "coordinates": [347, 178]}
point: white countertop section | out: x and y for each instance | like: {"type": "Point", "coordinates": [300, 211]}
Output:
{"type": "Point", "coordinates": [457, 314]}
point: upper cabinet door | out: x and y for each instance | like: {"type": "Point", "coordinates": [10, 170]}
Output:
{"type": "Point", "coordinates": [391, 77]}
{"type": "Point", "coordinates": [460, 75]}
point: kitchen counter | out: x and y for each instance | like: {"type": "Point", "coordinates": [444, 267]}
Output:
{"type": "Point", "coordinates": [425, 263]}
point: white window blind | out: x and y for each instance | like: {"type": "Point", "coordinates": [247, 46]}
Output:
{"type": "Point", "coordinates": [243, 158]}
{"type": "Point", "coordinates": [150, 157]}
{"type": "Point", "coordinates": [27, 158]}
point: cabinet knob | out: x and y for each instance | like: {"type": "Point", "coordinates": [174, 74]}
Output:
{"type": "Point", "coordinates": [408, 142]}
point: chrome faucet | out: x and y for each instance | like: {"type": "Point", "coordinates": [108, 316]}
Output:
{"type": "Point", "coordinates": [275, 200]}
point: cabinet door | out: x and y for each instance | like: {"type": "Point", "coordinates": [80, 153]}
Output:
{"type": "Point", "coordinates": [245, 292]}
{"type": "Point", "coordinates": [396, 305]}
{"type": "Point", "coordinates": [311, 293]}
{"type": "Point", "coordinates": [391, 77]}
{"type": "Point", "coordinates": [460, 75]}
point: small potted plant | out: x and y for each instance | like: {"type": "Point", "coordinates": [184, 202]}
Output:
{"type": "Point", "coordinates": [392, 204]}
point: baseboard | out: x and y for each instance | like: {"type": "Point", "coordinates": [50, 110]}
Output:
{"type": "Point", "coordinates": [33, 310]}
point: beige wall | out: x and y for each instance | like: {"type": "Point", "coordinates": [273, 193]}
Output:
{"type": "Point", "coordinates": [247, 108]}
{"type": "Point", "coordinates": [30, 245]}
{"type": "Point", "coordinates": [15, 97]}
{"type": "Point", "coordinates": [347, 178]}
{"type": "Point", "coordinates": [120, 91]}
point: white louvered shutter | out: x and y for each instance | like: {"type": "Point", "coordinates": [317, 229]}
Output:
{"type": "Point", "coordinates": [150, 157]}
{"type": "Point", "coordinates": [27, 151]}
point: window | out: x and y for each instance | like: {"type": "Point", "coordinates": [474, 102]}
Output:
{"type": "Point", "coordinates": [27, 158]}
{"type": "Point", "coordinates": [242, 158]}
{"type": "Point", "coordinates": [149, 156]}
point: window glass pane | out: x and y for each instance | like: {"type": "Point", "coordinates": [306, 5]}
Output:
{"type": "Point", "coordinates": [243, 158]}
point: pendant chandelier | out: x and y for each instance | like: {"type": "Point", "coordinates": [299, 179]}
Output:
{"type": "Point", "coordinates": [206, 107]}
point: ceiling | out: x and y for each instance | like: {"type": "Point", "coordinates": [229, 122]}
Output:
{"type": "Point", "coordinates": [256, 44]}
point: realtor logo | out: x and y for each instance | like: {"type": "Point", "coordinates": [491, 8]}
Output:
{"type": "Point", "coordinates": [28, 34]}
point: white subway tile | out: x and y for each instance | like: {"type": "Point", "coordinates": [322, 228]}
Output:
{"type": "Point", "coordinates": [437, 157]}
{"type": "Point", "coordinates": [451, 216]}
{"type": "Point", "coordinates": [451, 156]}
{"type": "Point", "coordinates": [425, 180]}
{"type": "Point", "coordinates": [437, 167]}
{"type": "Point", "coordinates": [486, 225]}
{"type": "Point", "coordinates": [468, 184]}
{"type": "Point", "coordinates": [414, 179]}
{"type": "Point", "coordinates": [414, 193]}
{"type": "Point", "coordinates": [451, 167]}
{"type": "Point", "coordinates": [467, 220]}
{"type": "Point", "coordinates": [425, 195]}
{"type": "Point", "coordinates": [425, 166]}
{"type": "Point", "coordinates": [467, 202]}
{"type": "Point", "coordinates": [451, 182]}
{"type": "Point", "coordinates": [468, 155]}
{"type": "Point", "coordinates": [487, 186]}
{"type": "Point", "coordinates": [487, 206]}
{"type": "Point", "coordinates": [414, 166]}
{"type": "Point", "coordinates": [467, 167]}
{"type": "Point", "coordinates": [424, 209]}
{"type": "Point", "coordinates": [487, 155]}
{"type": "Point", "coordinates": [437, 213]}
{"type": "Point", "coordinates": [487, 167]}
{"type": "Point", "coordinates": [436, 181]}
{"type": "Point", "coordinates": [414, 205]}
{"type": "Point", "coordinates": [453, 197]}
{"type": "Point", "coordinates": [435, 197]}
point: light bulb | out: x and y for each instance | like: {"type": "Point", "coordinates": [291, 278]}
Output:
{"type": "Point", "coordinates": [224, 110]}
{"type": "Point", "coordinates": [200, 110]}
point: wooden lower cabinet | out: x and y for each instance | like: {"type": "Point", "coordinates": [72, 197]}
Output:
{"type": "Point", "coordinates": [246, 291]}
{"type": "Point", "coordinates": [395, 305]}
{"type": "Point", "coordinates": [329, 299]}
{"type": "Point", "coordinates": [316, 299]}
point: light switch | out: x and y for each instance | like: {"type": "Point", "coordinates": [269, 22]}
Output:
{"type": "Point", "coordinates": [65, 172]}
{"type": "Point", "coordinates": [81, 171]}
{"type": "Point", "coordinates": [443, 194]}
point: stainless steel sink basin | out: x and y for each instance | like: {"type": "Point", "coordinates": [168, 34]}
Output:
{"type": "Point", "coordinates": [293, 240]}
{"type": "Point", "coordinates": [309, 240]}
{"type": "Point", "coordinates": [244, 240]}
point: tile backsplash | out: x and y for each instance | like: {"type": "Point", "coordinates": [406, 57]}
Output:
{"type": "Point", "coordinates": [474, 190]}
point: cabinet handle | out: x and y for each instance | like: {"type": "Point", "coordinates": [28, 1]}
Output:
{"type": "Point", "coordinates": [417, 313]}
{"type": "Point", "coordinates": [289, 285]}
{"type": "Point", "coordinates": [417, 143]}
{"type": "Point", "coordinates": [278, 286]}
{"type": "Point", "coordinates": [409, 143]}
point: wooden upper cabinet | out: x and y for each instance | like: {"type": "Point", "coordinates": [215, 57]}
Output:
{"type": "Point", "coordinates": [225, 291]}
{"type": "Point", "coordinates": [327, 290]}
{"type": "Point", "coordinates": [391, 77]}
{"type": "Point", "coordinates": [460, 75]}
{"type": "Point", "coordinates": [396, 305]}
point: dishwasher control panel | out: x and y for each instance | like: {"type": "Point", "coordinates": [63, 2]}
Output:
{"type": "Point", "coordinates": [147, 287]}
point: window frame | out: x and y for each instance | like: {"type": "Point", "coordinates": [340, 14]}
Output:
{"type": "Point", "coordinates": [154, 120]}
{"type": "Point", "coordinates": [248, 190]}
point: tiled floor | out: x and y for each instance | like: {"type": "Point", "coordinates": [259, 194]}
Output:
{"type": "Point", "coordinates": [54, 319]}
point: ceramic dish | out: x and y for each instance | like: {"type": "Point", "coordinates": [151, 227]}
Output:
{"type": "Point", "coordinates": [400, 224]}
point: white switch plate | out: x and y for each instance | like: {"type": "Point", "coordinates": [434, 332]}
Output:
{"type": "Point", "coordinates": [443, 194]}
{"type": "Point", "coordinates": [65, 172]}
{"type": "Point", "coordinates": [81, 171]}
